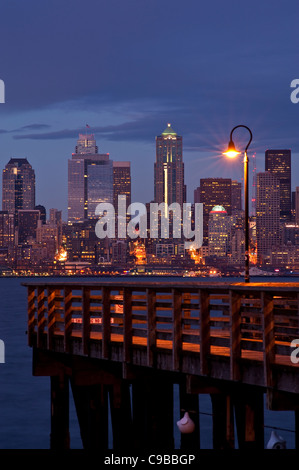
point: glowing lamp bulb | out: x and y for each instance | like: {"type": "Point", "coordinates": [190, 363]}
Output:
{"type": "Point", "coordinates": [231, 150]}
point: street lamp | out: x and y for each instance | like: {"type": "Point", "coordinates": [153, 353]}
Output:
{"type": "Point", "coordinates": [232, 153]}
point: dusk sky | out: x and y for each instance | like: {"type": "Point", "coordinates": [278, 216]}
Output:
{"type": "Point", "coordinates": [128, 67]}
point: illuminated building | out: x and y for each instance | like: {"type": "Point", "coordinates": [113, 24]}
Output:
{"type": "Point", "coordinates": [121, 187]}
{"type": "Point", "coordinates": [236, 196]}
{"type": "Point", "coordinates": [18, 186]}
{"type": "Point", "coordinates": [90, 179]}
{"type": "Point", "coordinates": [297, 206]}
{"type": "Point", "coordinates": [267, 214]}
{"type": "Point", "coordinates": [237, 239]}
{"type": "Point", "coordinates": [212, 192]}
{"type": "Point", "coordinates": [82, 244]}
{"type": "Point", "coordinates": [7, 237]}
{"type": "Point", "coordinates": [169, 168]}
{"type": "Point", "coordinates": [278, 162]}
{"type": "Point", "coordinates": [7, 229]}
{"type": "Point", "coordinates": [218, 232]}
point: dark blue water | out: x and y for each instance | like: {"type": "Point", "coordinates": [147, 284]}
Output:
{"type": "Point", "coordinates": [25, 400]}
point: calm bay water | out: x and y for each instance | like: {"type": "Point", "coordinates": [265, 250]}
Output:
{"type": "Point", "coordinates": [25, 400]}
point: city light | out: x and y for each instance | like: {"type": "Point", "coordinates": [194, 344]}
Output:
{"type": "Point", "coordinates": [231, 151]}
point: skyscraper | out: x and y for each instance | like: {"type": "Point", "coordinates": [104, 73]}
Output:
{"type": "Point", "coordinates": [236, 196]}
{"type": "Point", "coordinates": [218, 232]}
{"type": "Point", "coordinates": [297, 206]}
{"type": "Point", "coordinates": [121, 182]}
{"type": "Point", "coordinates": [278, 162]}
{"type": "Point", "coordinates": [267, 213]}
{"type": "Point", "coordinates": [90, 179]}
{"type": "Point", "coordinates": [169, 168]}
{"type": "Point", "coordinates": [18, 186]}
{"type": "Point", "coordinates": [213, 192]}
{"type": "Point", "coordinates": [121, 187]}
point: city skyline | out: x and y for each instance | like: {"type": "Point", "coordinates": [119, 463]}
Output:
{"type": "Point", "coordinates": [145, 72]}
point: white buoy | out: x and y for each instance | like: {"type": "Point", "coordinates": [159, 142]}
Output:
{"type": "Point", "coordinates": [186, 425]}
{"type": "Point", "coordinates": [276, 442]}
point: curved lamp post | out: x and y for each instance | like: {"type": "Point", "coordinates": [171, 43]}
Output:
{"type": "Point", "coordinates": [232, 153]}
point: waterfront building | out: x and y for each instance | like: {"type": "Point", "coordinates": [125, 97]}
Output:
{"type": "Point", "coordinates": [18, 186]}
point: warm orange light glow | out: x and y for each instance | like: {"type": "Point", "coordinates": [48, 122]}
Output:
{"type": "Point", "coordinates": [139, 252]}
{"type": "Point", "coordinates": [61, 254]}
{"type": "Point", "coordinates": [231, 153]}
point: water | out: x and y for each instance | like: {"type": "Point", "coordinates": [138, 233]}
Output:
{"type": "Point", "coordinates": [25, 400]}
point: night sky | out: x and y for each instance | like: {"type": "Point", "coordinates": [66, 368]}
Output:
{"type": "Point", "coordinates": [128, 67]}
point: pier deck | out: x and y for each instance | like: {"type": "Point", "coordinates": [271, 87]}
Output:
{"type": "Point", "coordinates": [209, 337]}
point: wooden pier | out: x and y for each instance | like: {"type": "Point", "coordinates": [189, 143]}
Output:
{"type": "Point", "coordinates": [120, 346]}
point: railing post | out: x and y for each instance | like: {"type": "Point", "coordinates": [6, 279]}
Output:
{"type": "Point", "coordinates": [106, 322]}
{"type": "Point", "coordinates": [235, 334]}
{"type": "Point", "coordinates": [267, 306]}
{"type": "Point", "coordinates": [127, 302]}
{"type": "Point", "coordinates": [67, 317]}
{"type": "Point", "coordinates": [31, 314]}
{"type": "Point", "coordinates": [177, 345]}
{"type": "Point", "coordinates": [86, 319]}
{"type": "Point", "coordinates": [151, 327]}
{"type": "Point", "coordinates": [51, 293]}
{"type": "Point", "coordinates": [40, 315]}
{"type": "Point", "coordinates": [204, 333]}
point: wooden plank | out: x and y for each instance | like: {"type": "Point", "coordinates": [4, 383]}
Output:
{"type": "Point", "coordinates": [31, 314]}
{"type": "Point", "coordinates": [41, 321]}
{"type": "Point", "coordinates": [177, 329]}
{"type": "Point", "coordinates": [151, 327]}
{"type": "Point", "coordinates": [86, 319]}
{"type": "Point", "coordinates": [106, 325]}
{"type": "Point", "coordinates": [235, 335]}
{"type": "Point", "coordinates": [204, 327]}
{"type": "Point", "coordinates": [127, 322]}
{"type": "Point", "coordinates": [67, 317]}
{"type": "Point", "coordinates": [268, 337]}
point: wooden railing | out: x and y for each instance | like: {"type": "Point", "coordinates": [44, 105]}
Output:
{"type": "Point", "coordinates": [240, 322]}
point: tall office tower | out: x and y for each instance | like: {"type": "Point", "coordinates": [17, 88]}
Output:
{"type": "Point", "coordinates": [121, 187]}
{"type": "Point", "coordinates": [236, 196]}
{"type": "Point", "coordinates": [169, 168]}
{"type": "Point", "coordinates": [27, 225]}
{"type": "Point", "coordinates": [218, 232]}
{"type": "Point", "coordinates": [267, 213]}
{"type": "Point", "coordinates": [297, 206]}
{"type": "Point", "coordinates": [213, 192]}
{"type": "Point", "coordinates": [278, 162]}
{"type": "Point", "coordinates": [90, 179]}
{"type": "Point", "coordinates": [121, 182]}
{"type": "Point", "coordinates": [18, 186]}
